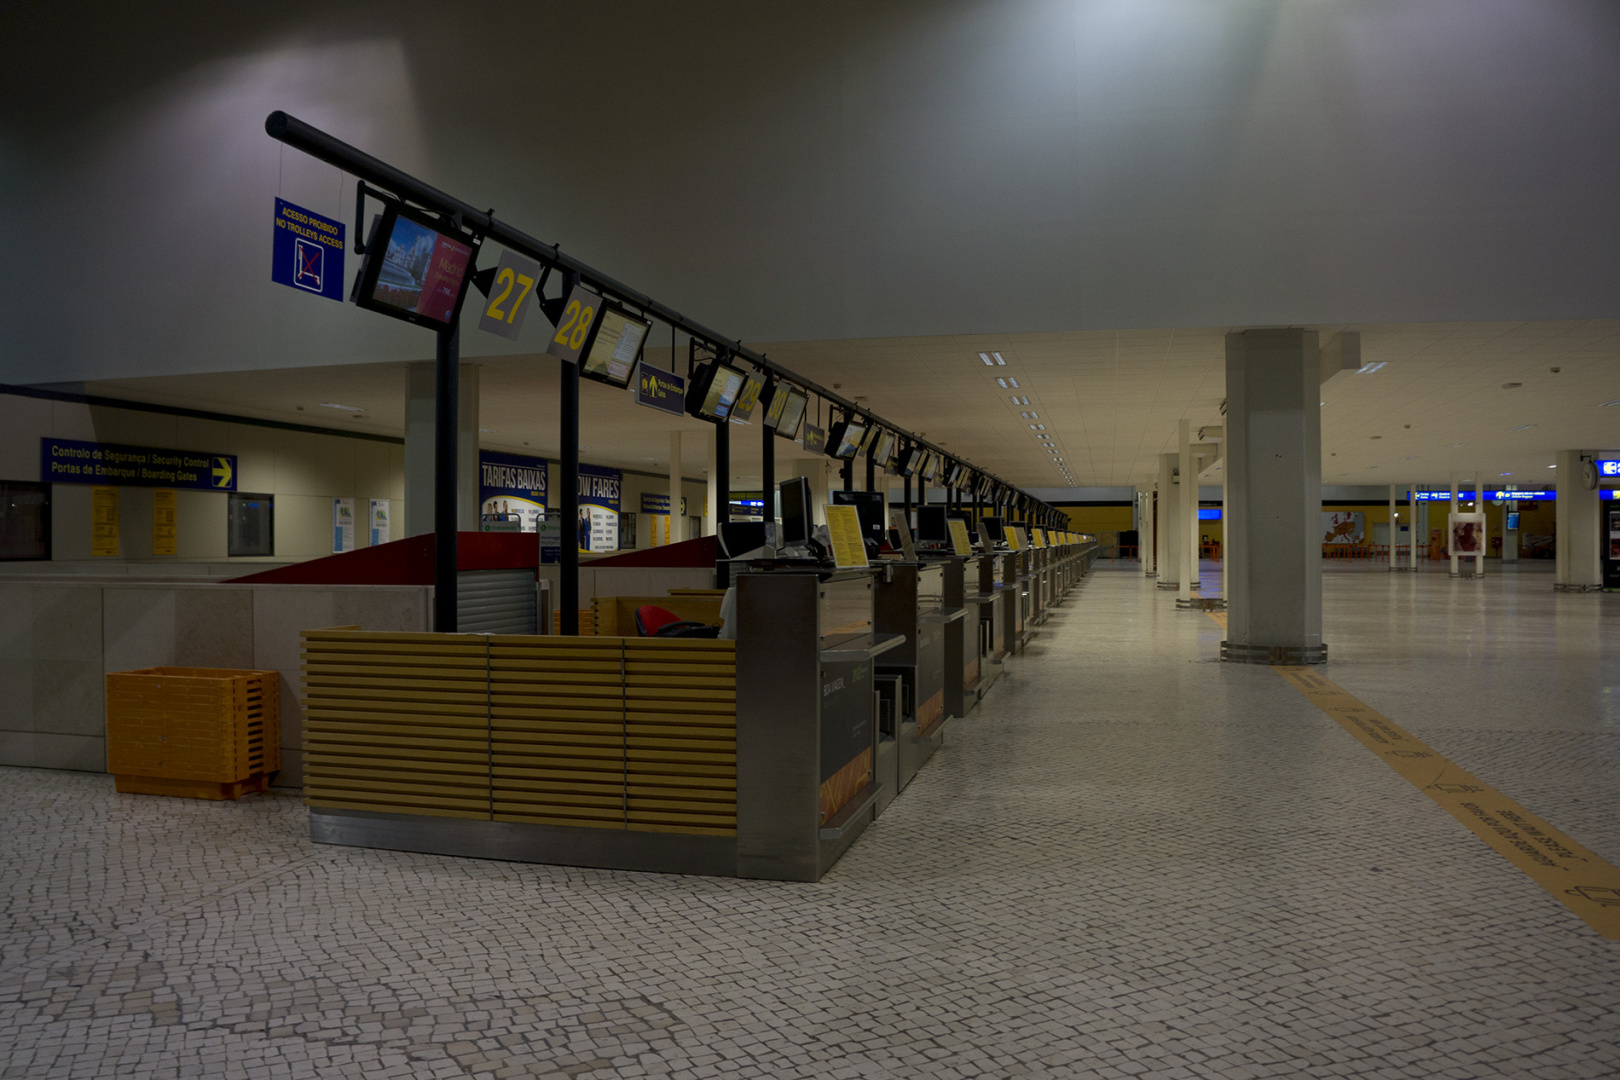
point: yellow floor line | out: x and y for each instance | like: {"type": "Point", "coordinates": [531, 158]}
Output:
{"type": "Point", "coordinates": [1576, 876]}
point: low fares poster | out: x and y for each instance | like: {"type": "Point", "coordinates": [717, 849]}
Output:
{"type": "Point", "coordinates": [599, 508]}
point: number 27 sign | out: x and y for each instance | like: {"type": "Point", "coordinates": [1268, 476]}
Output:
{"type": "Point", "coordinates": [513, 283]}
{"type": "Point", "coordinates": [579, 317]}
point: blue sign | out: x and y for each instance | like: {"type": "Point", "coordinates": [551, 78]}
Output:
{"type": "Point", "coordinates": [73, 461]}
{"type": "Point", "coordinates": [1209, 513]}
{"type": "Point", "coordinates": [1538, 495]}
{"type": "Point", "coordinates": [512, 486]}
{"type": "Point", "coordinates": [1608, 468]}
{"type": "Point", "coordinates": [663, 390]}
{"type": "Point", "coordinates": [307, 251]}
{"type": "Point", "coordinates": [598, 524]}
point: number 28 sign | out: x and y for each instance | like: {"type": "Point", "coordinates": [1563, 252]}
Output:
{"type": "Point", "coordinates": [580, 314]}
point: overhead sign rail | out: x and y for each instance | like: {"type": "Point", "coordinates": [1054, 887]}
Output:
{"type": "Point", "coordinates": [318, 144]}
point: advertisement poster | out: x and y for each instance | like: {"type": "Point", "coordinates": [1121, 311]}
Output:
{"type": "Point", "coordinates": [380, 531]}
{"type": "Point", "coordinates": [551, 541]}
{"type": "Point", "coordinates": [104, 522]}
{"type": "Point", "coordinates": [1467, 534]}
{"type": "Point", "coordinates": [342, 526]}
{"type": "Point", "coordinates": [422, 270]}
{"type": "Point", "coordinates": [164, 517]}
{"type": "Point", "coordinates": [1343, 527]}
{"type": "Point", "coordinates": [599, 508]}
{"type": "Point", "coordinates": [512, 486]}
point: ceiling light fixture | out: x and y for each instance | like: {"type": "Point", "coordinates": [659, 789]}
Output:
{"type": "Point", "coordinates": [1368, 369]}
{"type": "Point", "coordinates": [1037, 427]}
{"type": "Point", "coordinates": [1522, 427]}
{"type": "Point", "coordinates": [1606, 404]}
{"type": "Point", "coordinates": [341, 408]}
{"type": "Point", "coordinates": [1010, 382]}
{"type": "Point", "coordinates": [992, 360]}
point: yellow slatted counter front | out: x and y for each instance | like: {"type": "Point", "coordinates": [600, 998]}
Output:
{"type": "Point", "coordinates": [603, 732]}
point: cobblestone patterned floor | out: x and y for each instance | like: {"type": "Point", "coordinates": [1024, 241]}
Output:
{"type": "Point", "coordinates": [1131, 861]}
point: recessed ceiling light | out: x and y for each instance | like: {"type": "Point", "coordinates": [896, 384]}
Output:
{"type": "Point", "coordinates": [1368, 369]}
{"type": "Point", "coordinates": [992, 360]}
{"type": "Point", "coordinates": [1512, 385]}
{"type": "Point", "coordinates": [343, 408]}
{"type": "Point", "coordinates": [1522, 427]}
{"type": "Point", "coordinates": [1606, 404]}
{"type": "Point", "coordinates": [1001, 383]}
{"type": "Point", "coordinates": [1552, 466]}
{"type": "Point", "coordinates": [1037, 427]}
{"type": "Point", "coordinates": [1504, 474]}
{"type": "Point", "coordinates": [1010, 382]}
{"type": "Point", "coordinates": [1457, 444]}
{"type": "Point", "coordinates": [486, 431]}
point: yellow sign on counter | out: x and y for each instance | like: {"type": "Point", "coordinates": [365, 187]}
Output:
{"type": "Point", "coordinates": [1039, 537]}
{"type": "Point", "coordinates": [163, 521]}
{"type": "Point", "coordinates": [844, 530]}
{"type": "Point", "coordinates": [959, 537]}
{"type": "Point", "coordinates": [104, 522]}
{"type": "Point", "coordinates": [1010, 534]}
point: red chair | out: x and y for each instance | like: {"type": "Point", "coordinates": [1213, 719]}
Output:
{"type": "Point", "coordinates": [654, 621]}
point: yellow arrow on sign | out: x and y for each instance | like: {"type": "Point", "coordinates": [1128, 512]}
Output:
{"type": "Point", "coordinates": [222, 473]}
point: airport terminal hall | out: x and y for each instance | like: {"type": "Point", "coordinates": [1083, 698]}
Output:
{"type": "Point", "coordinates": [934, 539]}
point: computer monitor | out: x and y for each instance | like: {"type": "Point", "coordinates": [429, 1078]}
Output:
{"type": "Point", "coordinates": [931, 525]}
{"type": "Point", "coordinates": [738, 538]}
{"type": "Point", "coordinates": [990, 529]}
{"type": "Point", "coordinates": [844, 438]}
{"type": "Point", "coordinates": [713, 390]}
{"type": "Point", "coordinates": [612, 353]}
{"type": "Point", "coordinates": [796, 521]}
{"type": "Point", "coordinates": [416, 268]}
{"type": "Point", "coordinates": [869, 507]}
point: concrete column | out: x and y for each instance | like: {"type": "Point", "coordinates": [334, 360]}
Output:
{"type": "Point", "coordinates": [1188, 578]}
{"type": "Point", "coordinates": [1226, 518]}
{"type": "Point", "coordinates": [1394, 528]}
{"type": "Point", "coordinates": [1166, 550]}
{"type": "Point", "coordinates": [419, 395]}
{"type": "Point", "coordinates": [1412, 526]}
{"type": "Point", "coordinates": [1274, 477]}
{"type": "Point", "coordinates": [1579, 516]}
{"type": "Point", "coordinates": [1145, 537]}
{"type": "Point", "coordinates": [677, 520]}
{"type": "Point", "coordinates": [1450, 517]}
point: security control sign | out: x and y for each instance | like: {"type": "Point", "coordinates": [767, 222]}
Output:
{"type": "Point", "coordinates": [72, 461]}
{"type": "Point", "coordinates": [307, 251]}
{"type": "Point", "coordinates": [659, 389]}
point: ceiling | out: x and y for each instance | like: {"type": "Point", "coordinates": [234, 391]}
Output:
{"type": "Point", "coordinates": [1111, 400]}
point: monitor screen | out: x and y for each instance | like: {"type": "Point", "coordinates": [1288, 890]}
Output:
{"type": "Point", "coordinates": [612, 355]}
{"type": "Point", "coordinates": [737, 538]}
{"type": "Point", "coordinates": [713, 391]}
{"type": "Point", "coordinates": [869, 438]}
{"type": "Point", "coordinates": [883, 451]}
{"type": "Point", "coordinates": [795, 505]}
{"type": "Point", "coordinates": [931, 525]}
{"type": "Point", "coordinates": [990, 529]}
{"type": "Point", "coordinates": [845, 438]}
{"type": "Point", "coordinates": [906, 464]}
{"type": "Point", "coordinates": [414, 269]}
{"type": "Point", "coordinates": [869, 506]}
{"type": "Point", "coordinates": [793, 407]}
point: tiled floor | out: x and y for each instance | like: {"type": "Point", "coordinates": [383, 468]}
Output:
{"type": "Point", "coordinates": [1131, 861]}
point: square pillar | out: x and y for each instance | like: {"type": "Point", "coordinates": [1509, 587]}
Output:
{"type": "Point", "coordinates": [1166, 534]}
{"type": "Point", "coordinates": [1274, 483]}
{"type": "Point", "coordinates": [1579, 566]}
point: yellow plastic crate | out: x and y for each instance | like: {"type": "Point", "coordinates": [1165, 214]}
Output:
{"type": "Point", "coordinates": [200, 733]}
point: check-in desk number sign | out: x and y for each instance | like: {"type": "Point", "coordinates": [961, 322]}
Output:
{"type": "Point", "coordinates": [579, 317]}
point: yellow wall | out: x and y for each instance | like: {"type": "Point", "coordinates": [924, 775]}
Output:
{"type": "Point", "coordinates": [1099, 519]}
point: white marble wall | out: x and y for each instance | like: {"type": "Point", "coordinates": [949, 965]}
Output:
{"type": "Point", "coordinates": [57, 641]}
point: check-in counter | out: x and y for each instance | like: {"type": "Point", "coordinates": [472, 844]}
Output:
{"type": "Point", "coordinates": [962, 662]}
{"type": "Point", "coordinates": [992, 628]}
{"type": "Point", "coordinates": [910, 604]}
{"type": "Point", "coordinates": [1018, 574]}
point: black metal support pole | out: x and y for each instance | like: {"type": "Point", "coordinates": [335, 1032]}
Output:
{"type": "Point", "coordinates": [446, 406]}
{"type": "Point", "coordinates": [767, 474]}
{"type": "Point", "coordinates": [922, 491]}
{"type": "Point", "coordinates": [568, 437]}
{"type": "Point", "coordinates": [905, 493]}
{"type": "Point", "coordinates": [848, 474]}
{"type": "Point", "coordinates": [871, 473]}
{"type": "Point", "coordinates": [722, 469]}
